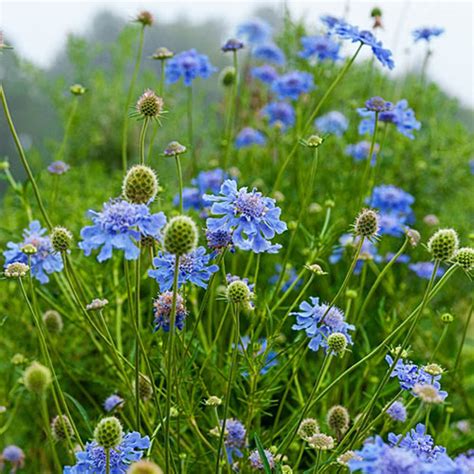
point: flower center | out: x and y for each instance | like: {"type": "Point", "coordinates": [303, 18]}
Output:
{"type": "Point", "coordinates": [250, 204]}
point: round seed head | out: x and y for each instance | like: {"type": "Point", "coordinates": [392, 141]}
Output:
{"type": "Point", "coordinates": [61, 239]}
{"type": "Point", "coordinates": [308, 428]}
{"type": "Point", "coordinates": [108, 433]}
{"type": "Point", "coordinates": [367, 223]}
{"type": "Point", "coordinates": [149, 105]}
{"type": "Point", "coordinates": [145, 18]}
{"type": "Point", "coordinates": [61, 428]}
{"type": "Point", "coordinates": [321, 442]}
{"type": "Point", "coordinates": [227, 76]}
{"type": "Point", "coordinates": [337, 342]}
{"type": "Point", "coordinates": [465, 258]}
{"type": "Point", "coordinates": [338, 419]}
{"type": "Point", "coordinates": [53, 321]}
{"type": "Point", "coordinates": [145, 388]}
{"type": "Point", "coordinates": [238, 292]}
{"type": "Point", "coordinates": [443, 244]}
{"type": "Point", "coordinates": [447, 318]}
{"type": "Point", "coordinates": [37, 378]}
{"type": "Point", "coordinates": [180, 235]}
{"type": "Point", "coordinates": [140, 185]}
{"type": "Point", "coordinates": [16, 270]}
{"type": "Point", "coordinates": [144, 467]}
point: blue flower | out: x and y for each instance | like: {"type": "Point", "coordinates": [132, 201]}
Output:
{"type": "Point", "coordinates": [189, 65]}
{"type": "Point", "coordinates": [162, 311]}
{"type": "Point", "coordinates": [403, 258]}
{"type": "Point", "coordinates": [42, 263]}
{"type": "Point", "coordinates": [333, 122]}
{"type": "Point", "coordinates": [269, 52]}
{"type": "Point", "coordinates": [266, 73]}
{"type": "Point", "coordinates": [92, 459]}
{"type": "Point", "coordinates": [377, 104]}
{"type": "Point", "coordinates": [465, 462]}
{"type": "Point", "coordinates": [219, 240]}
{"type": "Point", "coordinates": [331, 21]}
{"type": "Point", "coordinates": [252, 218]}
{"type": "Point", "coordinates": [427, 33]}
{"type": "Point", "coordinates": [254, 31]}
{"type": "Point", "coordinates": [471, 165]}
{"type": "Point", "coordinates": [58, 167]}
{"type": "Point", "coordinates": [232, 45]}
{"type": "Point", "coordinates": [409, 374]}
{"type": "Point", "coordinates": [259, 349]}
{"type": "Point", "coordinates": [249, 136]}
{"type": "Point", "coordinates": [289, 278]}
{"type": "Point", "coordinates": [112, 402]}
{"type": "Point", "coordinates": [397, 411]}
{"type": "Point", "coordinates": [119, 226]}
{"type": "Point", "coordinates": [279, 113]}
{"type": "Point", "coordinates": [235, 438]}
{"type": "Point", "coordinates": [425, 269]}
{"type": "Point", "coordinates": [346, 31]}
{"type": "Point", "coordinates": [321, 47]}
{"type": "Point", "coordinates": [318, 320]}
{"type": "Point", "coordinates": [193, 267]}
{"type": "Point", "coordinates": [418, 442]}
{"type": "Point", "coordinates": [192, 199]}
{"type": "Point", "coordinates": [401, 116]}
{"type": "Point", "coordinates": [292, 84]}
{"type": "Point", "coordinates": [14, 455]}
{"type": "Point", "coordinates": [257, 463]}
{"type": "Point", "coordinates": [360, 151]}
{"type": "Point", "coordinates": [389, 198]}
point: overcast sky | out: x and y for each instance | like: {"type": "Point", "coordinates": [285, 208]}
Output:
{"type": "Point", "coordinates": [38, 28]}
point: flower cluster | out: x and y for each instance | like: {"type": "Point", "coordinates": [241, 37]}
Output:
{"type": "Point", "coordinates": [42, 261]}
{"type": "Point", "coordinates": [252, 218]}
{"type": "Point", "coordinates": [120, 225]}
{"type": "Point", "coordinates": [319, 320]}
{"type": "Point", "coordinates": [188, 65]}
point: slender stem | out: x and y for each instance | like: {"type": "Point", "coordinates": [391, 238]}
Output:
{"type": "Point", "coordinates": [47, 427]}
{"type": "Point", "coordinates": [107, 461]}
{"type": "Point", "coordinates": [142, 140]}
{"type": "Point", "coordinates": [180, 182]}
{"type": "Point", "coordinates": [68, 128]}
{"type": "Point", "coordinates": [463, 339]}
{"type": "Point", "coordinates": [313, 115]}
{"type": "Point", "coordinates": [190, 125]}
{"type": "Point", "coordinates": [365, 191]}
{"type": "Point", "coordinates": [137, 339]}
{"type": "Point", "coordinates": [23, 159]}
{"type": "Point", "coordinates": [129, 98]}
{"type": "Point", "coordinates": [232, 112]}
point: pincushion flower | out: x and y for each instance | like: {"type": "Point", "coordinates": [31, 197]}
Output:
{"type": "Point", "coordinates": [321, 47]}
{"type": "Point", "coordinates": [360, 151]}
{"type": "Point", "coordinates": [319, 321]}
{"type": "Point", "coordinates": [426, 33]}
{"type": "Point", "coordinates": [120, 225]}
{"type": "Point", "coordinates": [252, 218]}
{"type": "Point", "coordinates": [162, 311]}
{"type": "Point", "coordinates": [254, 31]}
{"type": "Point", "coordinates": [266, 73]}
{"type": "Point", "coordinates": [58, 167]}
{"type": "Point", "coordinates": [333, 122]}
{"type": "Point", "coordinates": [235, 438]}
{"type": "Point", "coordinates": [194, 267]}
{"type": "Point", "coordinates": [249, 136]}
{"type": "Point", "coordinates": [292, 84]}
{"type": "Point", "coordinates": [43, 262]}
{"type": "Point", "coordinates": [113, 401]}
{"type": "Point", "coordinates": [269, 52]}
{"type": "Point", "coordinates": [188, 65]}
{"type": "Point", "coordinates": [92, 459]}
{"type": "Point", "coordinates": [279, 113]}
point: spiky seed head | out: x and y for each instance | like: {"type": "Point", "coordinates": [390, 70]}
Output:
{"type": "Point", "coordinates": [109, 432]}
{"type": "Point", "coordinates": [337, 342]}
{"type": "Point", "coordinates": [29, 249]}
{"type": "Point", "coordinates": [433, 369]}
{"type": "Point", "coordinates": [145, 388]}
{"type": "Point", "coordinates": [140, 185]}
{"type": "Point", "coordinates": [16, 270]}
{"type": "Point", "coordinates": [238, 292]}
{"type": "Point", "coordinates": [308, 427]}
{"type": "Point", "coordinates": [37, 378]}
{"type": "Point", "coordinates": [367, 223]}
{"type": "Point", "coordinates": [321, 442]}
{"type": "Point", "coordinates": [465, 258]}
{"type": "Point", "coordinates": [180, 235]}
{"type": "Point", "coordinates": [149, 105]}
{"type": "Point", "coordinates": [443, 244]}
{"type": "Point", "coordinates": [447, 318]}
{"type": "Point", "coordinates": [53, 321]}
{"type": "Point", "coordinates": [144, 467]}
{"type": "Point", "coordinates": [227, 77]}
{"type": "Point", "coordinates": [61, 428]}
{"type": "Point", "coordinates": [413, 236]}
{"type": "Point", "coordinates": [61, 239]}
{"type": "Point", "coordinates": [145, 18]}
{"type": "Point", "coordinates": [338, 419]}
{"type": "Point", "coordinates": [162, 54]}
{"type": "Point", "coordinates": [174, 148]}
{"type": "Point", "coordinates": [77, 89]}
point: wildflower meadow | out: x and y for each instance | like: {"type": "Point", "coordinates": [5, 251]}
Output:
{"type": "Point", "coordinates": [256, 264]}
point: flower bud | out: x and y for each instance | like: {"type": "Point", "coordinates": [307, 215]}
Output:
{"type": "Point", "coordinates": [227, 77]}
{"type": "Point", "coordinates": [443, 244]}
{"type": "Point", "coordinates": [174, 148]}
{"type": "Point", "coordinates": [213, 401]}
{"type": "Point", "coordinates": [61, 428]}
{"type": "Point", "coordinates": [447, 318]}
{"type": "Point", "coordinates": [61, 239]}
{"type": "Point", "coordinates": [140, 185]}
{"type": "Point", "coordinates": [162, 54]}
{"type": "Point", "coordinates": [53, 321]}
{"type": "Point", "coordinates": [108, 433]}
{"type": "Point", "coordinates": [413, 236]}
{"type": "Point", "coordinates": [77, 89]}
{"type": "Point", "coordinates": [180, 235]}
{"type": "Point", "coordinates": [145, 18]}
{"type": "Point", "coordinates": [367, 223]}
{"type": "Point", "coordinates": [16, 270]}
{"type": "Point", "coordinates": [37, 378]}
{"type": "Point", "coordinates": [29, 249]}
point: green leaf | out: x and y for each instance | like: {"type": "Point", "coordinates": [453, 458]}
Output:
{"type": "Point", "coordinates": [263, 457]}
{"type": "Point", "coordinates": [82, 412]}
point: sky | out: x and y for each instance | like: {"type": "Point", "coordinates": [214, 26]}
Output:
{"type": "Point", "coordinates": [38, 28]}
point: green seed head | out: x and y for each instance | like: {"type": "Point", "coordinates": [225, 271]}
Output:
{"type": "Point", "coordinates": [367, 223]}
{"type": "Point", "coordinates": [308, 427]}
{"type": "Point", "coordinates": [238, 292]}
{"type": "Point", "coordinates": [338, 419]}
{"type": "Point", "coordinates": [145, 388]}
{"type": "Point", "coordinates": [37, 378]}
{"type": "Point", "coordinates": [180, 235]}
{"type": "Point", "coordinates": [53, 321]}
{"type": "Point", "coordinates": [61, 239]}
{"type": "Point", "coordinates": [140, 185]}
{"type": "Point", "coordinates": [443, 244]}
{"type": "Point", "coordinates": [337, 342]}
{"type": "Point", "coordinates": [465, 258]}
{"type": "Point", "coordinates": [149, 105]}
{"type": "Point", "coordinates": [77, 89]}
{"type": "Point", "coordinates": [447, 318]}
{"type": "Point", "coordinates": [61, 428]}
{"type": "Point", "coordinates": [108, 432]}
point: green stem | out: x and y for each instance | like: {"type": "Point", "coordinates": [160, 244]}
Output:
{"type": "Point", "coordinates": [180, 182]}
{"type": "Point", "coordinates": [190, 125]}
{"type": "Point", "coordinates": [129, 98]}
{"type": "Point", "coordinates": [463, 339]}
{"type": "Point", "coordinates": [107, 461]}
{"type": "Point", "coordinates": [68, 128]}
{"type": "Point", "coordinates": [232, 113]}
{"type": "Point", "coordinates": [137, 340]}
{"type": "Point", "coordinates": [142, 140]}
{"type": "Point", "coordinates": [365, 191]}
{"type": "Point", "coordinates": [23, 159]}
{"type": "Point", "coordinates": [47, 427]}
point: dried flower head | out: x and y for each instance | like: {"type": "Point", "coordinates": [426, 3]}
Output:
{"type": "Point", "coordinates": [149, 105]}
{"type": "Point", "coordinates": [162, 54]}
{"type": "Point", "coordinates": [16, 270]}
{"type": "Point", "coordinates": [145, 18]}
{"type": "Point", "coordinates": [308, 427]}
{"type": "Point", "coordinates": [97, 304]}
{"type": "Point", "coordinates": [321, 442]}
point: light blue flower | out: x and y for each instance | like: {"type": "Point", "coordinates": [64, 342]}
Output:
{"type": "Point", "coordinates": [269, 52]}
{"type": "Point", "coordinates": [266, 73]}
{"type": "Point", "coordinates": [322, 47]}
{"type": "Point", "coordinates": [279, 113]}
{"type": "Point", "coordinates": [188, 65]}
{"type": "Point", "coordinates": [360, 151]}
{"type": "Point", "coordinates": [427, 33]}
{"type": "Point", "coordinates": [249, 136]}
{"type": "Point", "coordinates": [112, 402]}
{"type": "Point", "coordinates": [333, 122]}
{"type": "Point", "coordinates": [254, 31]}
{"type": "Point", "coordinates": [292, 84]}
